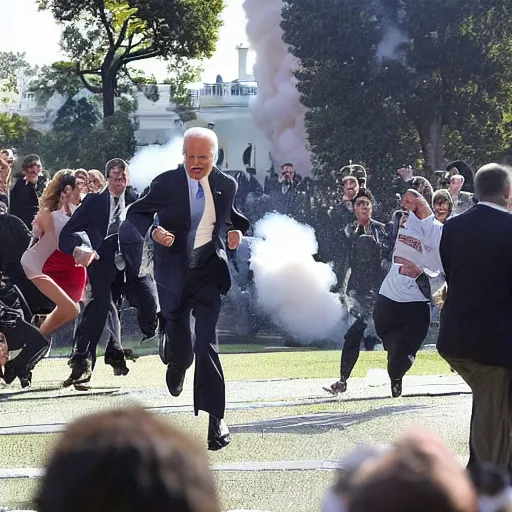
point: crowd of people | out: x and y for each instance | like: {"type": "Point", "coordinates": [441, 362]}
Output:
{"type": "Point", "coordinates": [73, 248]}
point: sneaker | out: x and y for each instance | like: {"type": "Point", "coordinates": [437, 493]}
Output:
{"type": "Point", "coordinates": [396, 388]}
{"type": "Point", "coordinates": [340, 386]}
{"type": "Point", "coordinates": [81, 370]}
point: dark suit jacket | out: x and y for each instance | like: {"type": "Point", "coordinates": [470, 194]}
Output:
{"type": "Point", "coordinates": [88, 226]}
{"type": "Point", "coordinates": [23, 202]}
{"type": "Point", "coordinates": [168, 197]}
{"type": "Point", "coordinates": [476, 320]}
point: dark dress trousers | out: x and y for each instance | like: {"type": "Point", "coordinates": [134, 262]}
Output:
{"type": "Point", "coordinates": [88, 227]}
{"type": "Point", "coordinates": [188, 281]}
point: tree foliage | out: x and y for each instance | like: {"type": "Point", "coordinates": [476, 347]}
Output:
{"type": "Point", "coordinates": [182, 73]}
{"type": "Point", "coordinates": [14, 69]}
{"type": "Point", "coordinates": [13, 130]}
{"type": "Point", "coordinates": [60, 78]}
{"type": "Point", "coordinates": [382, 79]}
{"type": "Point", "coordinates": [103, 37]}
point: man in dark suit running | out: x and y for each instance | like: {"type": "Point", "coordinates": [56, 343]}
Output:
{"type": "Point", "coordinates": [475, 335]}
{"type": "Point", "coordinates": [196, 218]}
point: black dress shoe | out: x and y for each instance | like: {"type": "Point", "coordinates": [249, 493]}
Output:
{"type": "Point", "coordinates": [218, 434]}
{"type": "Point", "coordinates": [174, 377]}
{"type": "Point", "coordinates": [81, 370]}
{"type": "Point", "coordinates": [9, 372]}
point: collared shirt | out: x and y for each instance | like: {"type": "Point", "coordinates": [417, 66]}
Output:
{"type": "Point", "coordinates": [203, 230]}
{"type": "Point", "coordinates": [495, 206]}
{"type": "Point", "coordinates": [113, 206]}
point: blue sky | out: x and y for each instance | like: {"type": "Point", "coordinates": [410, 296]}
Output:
{"type": "Point", "coordinates": [25, 29]}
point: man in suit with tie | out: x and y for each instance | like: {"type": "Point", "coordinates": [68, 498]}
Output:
{"type": "Point", "coordinates": [475, 334]}
{"type": "Point", "coordinates": [196, 217]}
{"type": "Point", "coordinates": [91, 236]}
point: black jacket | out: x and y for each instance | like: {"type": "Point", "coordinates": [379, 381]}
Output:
{"type": "Point", "coordinates": [476, 320]}
{"type": "Point", "coordinates": [23, 201]}
{"type": "Point", "coordinates": [168, 197]}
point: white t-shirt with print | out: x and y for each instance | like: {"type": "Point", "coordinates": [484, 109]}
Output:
{"type": "Point", "coordinates": [417, 241]}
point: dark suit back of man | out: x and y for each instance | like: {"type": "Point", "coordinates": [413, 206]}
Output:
{"type": "Point", "coordinates": [476, 320]}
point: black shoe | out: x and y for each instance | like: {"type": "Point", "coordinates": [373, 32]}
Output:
{"type": "Point", "coordinates": [25, 377]}
{"type": "Point", "coordinates": [116, 359]}
{"type": "Point", "coordinates": [339, 387]}
{"type": "Point", "coordinates": [396, 388]}
{"type": "Point", "coordinates": [9, 372]}
{"type": "Point", "coordinates": [174, 377]}
{"type": "Point", "coordinates": [218, 434]}
{"type": "Point", "coordinates": [81, 370]}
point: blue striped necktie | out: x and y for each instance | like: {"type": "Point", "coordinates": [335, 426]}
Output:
{"type": "Point", "coordinates": [200, 192]}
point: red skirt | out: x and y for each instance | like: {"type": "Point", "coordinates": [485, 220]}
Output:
{"type": "Point", "coordinates": [62, 269]}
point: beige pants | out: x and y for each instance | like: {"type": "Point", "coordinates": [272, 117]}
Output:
{"type": "Point", "coordinates": [491, 427]}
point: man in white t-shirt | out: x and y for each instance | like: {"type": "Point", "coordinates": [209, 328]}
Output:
{"type": "Point", "coordinates": [402, 310]}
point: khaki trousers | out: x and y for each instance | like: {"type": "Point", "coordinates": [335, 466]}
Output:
{"type": "Point", "coordinates": [491, 425]}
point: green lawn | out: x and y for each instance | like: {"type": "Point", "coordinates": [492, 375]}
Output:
{"type": "Point", "coordinates": [319, 364]}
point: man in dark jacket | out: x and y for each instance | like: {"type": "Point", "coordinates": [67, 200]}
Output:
{"type": "Point", "coordinates": [360, 276]}
{"type": "Point", "coordinates": [196, 221]}
{"type": "Point", "coordinates": [23, 201]}
{"type": "Point", "coordinates": [475, 334]}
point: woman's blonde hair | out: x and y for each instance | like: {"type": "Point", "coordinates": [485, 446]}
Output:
{"type": "Point", "coordinates": [99, 176]}
{"type": "Point", "coordinates": [50, 200]}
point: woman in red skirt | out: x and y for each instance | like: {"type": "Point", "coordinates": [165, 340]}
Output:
{"type": "Point", "coordinates": [52, 271]}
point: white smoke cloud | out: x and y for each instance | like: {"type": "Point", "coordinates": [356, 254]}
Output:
{"type": "Point", "coordinates": [277, 109]}
{"type": "Point", "coordinates": [292, 288]}
{"type": "Point", "coordinates": [151, 161]}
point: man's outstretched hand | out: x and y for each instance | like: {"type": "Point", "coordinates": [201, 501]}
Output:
{"type": "Point", "coordinates": [162, 236]}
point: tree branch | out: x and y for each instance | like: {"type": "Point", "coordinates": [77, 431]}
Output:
{"type": "Point", "coordinates": [147, 53]}
{"type": "Point", "coordinates": [94, 89]}
{"type": "Point", "coordinates": [122, 35]}
{"type": "Point", "coordinates": [104, 21]}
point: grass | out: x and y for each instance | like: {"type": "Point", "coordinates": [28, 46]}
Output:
{"type": "Point", "coordinates": [319, 364]}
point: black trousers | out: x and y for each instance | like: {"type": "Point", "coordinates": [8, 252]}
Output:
{"type": "Point", "coordinates": [26, 337]}
{"type": "Point", "coordinates": [96, 314]}
{"type": "Point", "coordinates": [352, 347]}
{"type": "Point", "coordinates": [140, 293]}
{"type": "Point", "coordinates": [201, 297]}
{"type": "Point", "coordinates": [402, 327]}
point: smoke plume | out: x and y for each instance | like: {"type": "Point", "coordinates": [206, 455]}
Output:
{"type": "Point", "coordinates": [292, 288]}
{"type": "Point", "coordinates": [277, 109]}
{"type": "Point", "coordinates": [151, 161]}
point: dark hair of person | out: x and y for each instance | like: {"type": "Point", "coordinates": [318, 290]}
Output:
{"type": "Point", "coordinates": [491, 181]}
{"type": "Point", "coordinates": [409, 480]}
{"type": "Point", "coordinates": [29, 160]}
{"type": "Point", "coordinates": [127, 460]}
{"type": "Point", "coordinates": [115, 162]}
{"type": "Point", "coordinates": [364, 192]}
{"type": "Point", "coordinates": [287, 165]}
{"type": "Point", "coordinates": [423, 186]}
{"type": "Point", "coordinates": [443, 196]}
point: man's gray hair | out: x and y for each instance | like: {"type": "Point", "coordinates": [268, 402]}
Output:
{"type": "Point", "coordinates": [202, 133]}
{"type": "Point", "coordinates": [491, 181]}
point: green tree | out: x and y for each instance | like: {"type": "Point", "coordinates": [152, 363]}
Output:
{"type": "Point", "coordinates": [59, 78]}
{"type": "Point", "coordinates": [114, 138]}
{"type": "Point", "coordinates": [103, 37]}
{"type": "Point", "coordinates": [13, 130]}
{"type": "Point", "coordinates": [75, 121]}
{"type": "Point", "coordinates": [383, 79]}
{"type": "Point", "coordinates": [182, 73]}
{"type": "Point", "coordinates": [14, 69]}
